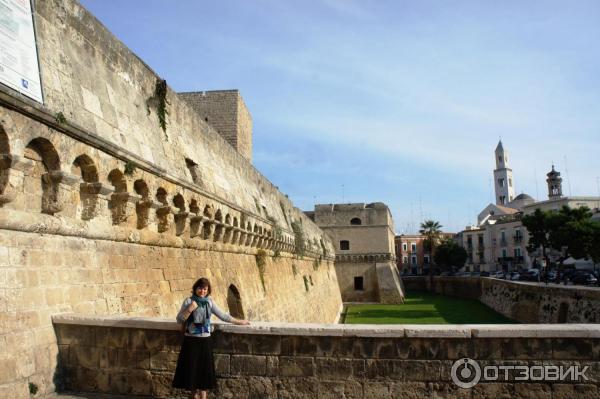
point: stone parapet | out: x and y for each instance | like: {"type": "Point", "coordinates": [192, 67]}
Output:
{"type": "Point", "coordinates": [275, 360]}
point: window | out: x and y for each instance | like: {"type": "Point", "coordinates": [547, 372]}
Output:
{"type": "Point", "coordinates": [504, 252]}
{"type": "Point", "coordinates": [480, 240]}
{"type": "Point", "coordinates": [426, 259]}
{"type": "Point", "coordinates": [499, 158]}
{"type": "Point", "coordinates": [413, 247]}
{"type": "Point", "coordinates": [405, 259]}
{"type": "Point", "coordinates": [358, 284]}
{"type": "Point", "coordinates": [413, 260]}
{"type": "Point", "coordinates": [344, 245]}
{"type": "Point", "coordinates": [356, 222]}
{"type": "Point", "coordinates": [502, 200]}
{"type": "Point", "coordinates": [501, 182]}
{"type": "Point", "coordinates": [517, 252]}
{"type": "Point", "coordinates": [404, 246]}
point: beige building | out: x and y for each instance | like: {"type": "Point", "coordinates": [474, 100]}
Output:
{"type": "Point", "coordinates": [499, 241]}
{"type": "Point", "coordinates": [363, 237]}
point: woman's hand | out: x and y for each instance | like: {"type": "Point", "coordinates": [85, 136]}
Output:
{"type": "Point", "coordinates": [241, 322]}
{"type": "Point", "coordinates": [193, 306]}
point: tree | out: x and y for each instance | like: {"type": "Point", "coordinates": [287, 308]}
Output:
{"type": "Point", "coordinates": [432, 231]}
{"type": "Point", "coordinates": [450, 255]}
{"type": "Point", "coordinates": [570, 231]}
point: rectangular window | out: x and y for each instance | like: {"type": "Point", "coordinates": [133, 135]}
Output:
{"type": "Point", "coordinates": [504, 252]}
{"type": "Point", "coordinates": [344, 245]}
{"type": "Point", "coordinates": [405, 259]}
{"type": "Point", "coordinates": [413, 247]}
{"type": "Point", "coordinates": [517, 252]}
{"type": "Point", "coordinates": [501, 182]}
{"type": "Point", "coordinates": [426, 259]}
{"type": "Point", "coordinates": [414, 260]}
{"type": "Point", "coordinates": [404, 246]}
{"type": "Point", "coordinates": [358, 284]}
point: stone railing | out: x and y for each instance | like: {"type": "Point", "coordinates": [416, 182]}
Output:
{"type": "Point", "coordinates": [137, 356]}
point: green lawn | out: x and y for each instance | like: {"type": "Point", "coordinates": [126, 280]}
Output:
{"type": "Point", "coordinates": [422, 307]}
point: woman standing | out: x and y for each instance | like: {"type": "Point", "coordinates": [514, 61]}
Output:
{"type": "Point", "coordinates": [195, 366]}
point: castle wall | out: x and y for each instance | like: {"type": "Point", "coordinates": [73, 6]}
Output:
{"type": "Point", "coordinates": [520, 301]}
{"type": "Point", "coordinates": [226, 111]}
{"type": "Point", "coordinates": [101, 211]}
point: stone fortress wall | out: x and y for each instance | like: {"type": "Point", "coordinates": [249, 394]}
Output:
{"type": "Point", "coordinates": [103, 212]}
{"type": "Point", "coordinates": [363, 236]}
{"type": "Point", "coordinates": [520, 301]}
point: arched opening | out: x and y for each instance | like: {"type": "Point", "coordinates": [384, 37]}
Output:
{"type": "Point", "coordinates": [234, 302]}
{"type": "Point", "coordinates": [181, 215]}
{"type": "Point", "coordinates": [195, 219]}
{"type": "Point", "coordinates": [228, 229]}
{"type": "Point", "coordinates": [209, 226]}
{"type": "Point", "coordinates": [163, 211]}
{"type": "Point", "coordinates": [118, 200]}
{"type": "Point", "coordinates": [248, 234]}
{"type": "Point", "coordinates": [44, 177]}
{"type": "Point", "coordinates": [88, 190]}
{"type": "Point", "coordinates": [142, 208]}
{"type": "Point", "coordinates": [355, 222]}
{"type": "Point", "coordinates": [219, 226]}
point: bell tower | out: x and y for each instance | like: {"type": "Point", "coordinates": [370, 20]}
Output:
{"type": "Point", "coordinates": [554, 184]}
{"type": "Point", "coordinates": [503, 177]}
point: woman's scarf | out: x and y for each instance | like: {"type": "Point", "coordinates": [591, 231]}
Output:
{"type": "Point", "coordinates": [201, 316]}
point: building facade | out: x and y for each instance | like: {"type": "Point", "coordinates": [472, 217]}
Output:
{"type": "Point", "coordinates": [363, 237]}
{"type": "Point", "coordinates": [413, 253]}
{"type": "Point", "coordinates": [499, 241]}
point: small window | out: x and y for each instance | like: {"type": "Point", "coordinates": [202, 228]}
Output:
{"type": "Point", "coordinates": [358, 284]}
{"type": "Point", "coordinates": [356, 222]}
{"type": "Point", "coordinates": [405, 259]}
{"type": "Point", "coordinates": [426, 259]}
{"type": "Point", "coordinates": [501, 182]}
{"type": "Point", "coordinates": [414, 260]}
{"type": "Point", "coordinates": [404, 246]}
{"type": "Point", "coordinates": [344, 245]}
{"type": "Point", "coordinates": [413, 247]}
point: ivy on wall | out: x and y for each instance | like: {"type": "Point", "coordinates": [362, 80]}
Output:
{"type": "Point", "coordinates": [159, 102]}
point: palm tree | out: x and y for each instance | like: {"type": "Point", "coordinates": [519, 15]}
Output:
{"type": "Point", "coordinates": [432, 231]}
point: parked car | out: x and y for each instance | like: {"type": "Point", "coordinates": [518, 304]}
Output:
{"type": "Point", "coordinates": [514, 276]}
{"type": "Point", "coordinates": [499, 274]}
{"type": "Point", "coordinates": [485, 274]}
{"type": "Point", "coordinates": [585, 279]}
{"type": "Point", "coordinates": [550, 276]}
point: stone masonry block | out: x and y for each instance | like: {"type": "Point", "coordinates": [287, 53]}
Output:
{"type": "Point", "coordinates": [570, 348]}
{"type": "Point", "coordinates": [296, 366]}
{"type": "Point", "coordinates": [248, 365]}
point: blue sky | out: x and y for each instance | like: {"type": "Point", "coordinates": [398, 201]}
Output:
{"type": "Point", "coordinates": [401, 102]}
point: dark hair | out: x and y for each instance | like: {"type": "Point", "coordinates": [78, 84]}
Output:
{"type": "Point", "coordinates": [201, 283]}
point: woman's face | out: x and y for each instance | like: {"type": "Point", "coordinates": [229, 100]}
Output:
{"type": "Point", "coordinates": [201, 292]}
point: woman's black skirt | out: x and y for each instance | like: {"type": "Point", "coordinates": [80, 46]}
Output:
{"type": "Point", "coordinates": [195, 365]}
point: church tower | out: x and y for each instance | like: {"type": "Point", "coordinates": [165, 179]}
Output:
{"type": "Point", "coordinates": [503, 177]}
{"type": "Point", "coordinates": [554, 184]}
